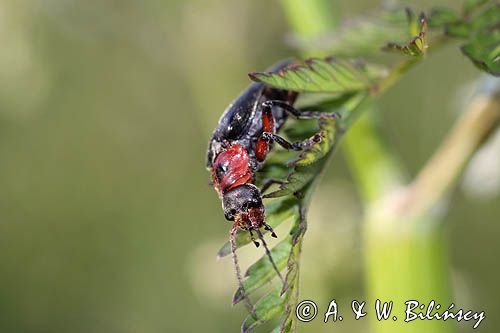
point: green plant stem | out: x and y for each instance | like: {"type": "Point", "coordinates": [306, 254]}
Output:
{"type": "Point", "coordinates": [362, 146]}
{"type": "Point", "coordinates": [439, 174]}
{"type": "Point", "coordinates": [405, 250]}
{"type": "Point", "coordinates": [405, 258]}
{"type": "Point", "coordinates": [403, 264]}
{"type": "Point", "coordinates": [395, 74]}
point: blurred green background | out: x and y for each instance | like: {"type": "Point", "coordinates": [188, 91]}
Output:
{"type": "Point", "coordinates": [107, 221]}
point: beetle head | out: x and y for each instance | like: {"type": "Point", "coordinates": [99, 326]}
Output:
{"type": "Point", "coordinates": [243, 204]}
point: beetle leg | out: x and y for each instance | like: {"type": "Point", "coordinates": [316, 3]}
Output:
{"type": "Point", "coordinates": [252, 237]}
{"type": "Point", "coordinates": [298, 145]}
{"type": "Point", "coordinates": [268, 135]}
{"type": "Point", "coordinates": [263, 143]}
{"type": "Point", "coordinates": [269, 228]}
{"type": "Point", "coordinates": [300, 114]}
{"type": "Point", "coordinates": [268, 182]}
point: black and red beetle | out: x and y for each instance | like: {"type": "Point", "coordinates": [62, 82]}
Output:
{"type": "Point", "coordinates": [238, 148]}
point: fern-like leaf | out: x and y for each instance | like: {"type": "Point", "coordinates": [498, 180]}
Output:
{"type": "Point", "coordinates": [484, 52]}
{"type": "Point", "coordinates": [329, 75]}
{"type": "Point", "coordinates": [262, 271]}
{"type": "Point", "coordinates": [417, 45]}
{"type": "Point", "coordinates": [266, 308]}
{"type": "Point", "coordinates": [480, 26]}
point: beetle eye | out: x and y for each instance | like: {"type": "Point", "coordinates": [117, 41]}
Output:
{"type": "Point", "coordinates": [230, 215]}
{"type": "Point", "coordinates": [253, 204]}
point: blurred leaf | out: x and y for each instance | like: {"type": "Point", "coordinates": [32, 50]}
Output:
{"type": "Point", "coordinates": [364, 34]}
{"type": "Point", "coordinates": [484, 51]}
{"type": "Point", "coordinates": [472, 5]}
{"type": "Point", "coordinates": [483, 47]}
{"type": "Point", "coordinates": [487, 20]}
{"type": "Point", "coordinates": [478, 24]}
{"type": "Point", "coordinates": [330, 75]}
{"type": "Point", "coordinates": [262, 271]}
{"type": "Point", "coordinates": [417, 45]}
{"type": "Point", "coordinates": [266, 308]}
{"type": "Point", "coordinates": [458, 29]}
{"type": "Point", "coordinates": [440, 17]}
{"type": "Point", "coordinates": [482, 29]}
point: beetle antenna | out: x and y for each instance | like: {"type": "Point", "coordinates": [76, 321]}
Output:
{"type": "Point", "coordinates": [232, 240]}
{"type": "Point", "coordinates": [253, 238]}
{"type": "Point", "coordinates": [268, 253]}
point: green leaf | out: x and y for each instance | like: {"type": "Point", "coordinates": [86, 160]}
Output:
{"type": "Point", "coordinates": [441, 17]}
{"type": "Point", "coordinates": [362, 35]}
{"type": "Point", "coordinates": [266, 308]}
{"type": "Point", "coordinates": [458, 29]}
{"type": "Point", "coordinates": [298, 178]}
{"type": "Point", "coordinates": [304, 128]}
{"type": "Point", "coordinates": [309, 164]}
{"type": "Point", "coordinates": [287, 325]}
{"type": "Point", "coordinates": [484, 52]}
{"type": "Point", "coordinates": [329, 75]}
{"type": "Point", "coordinates": [473, 5]}
{"type": "Point", "coordinates": [328, 128]}
{"type": "Point", "coordinates": [417, 45]}
{"type": "Point", "coordinates": [487, 20]}
{"type": "Point", "coordinates": [482, 29]}
{"type": "Point", "coordinates": [277, 212]}
{"type": "Point", "coordinates": [480, 23]}
{"type": "Point", "coordinates": [276, 166]}
{"type": "Point", "coordinates": [291, 287]}
{"type": "Point", "coordinates": [319, 149]}
{"type": "Point", "coordinates": [276, 329]}
{"type": "Point", "coordinates": [262, 271]}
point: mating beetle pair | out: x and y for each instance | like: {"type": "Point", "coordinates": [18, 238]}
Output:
{"type": "Point", "coordinates": [238, 149]}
